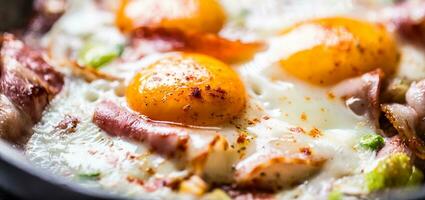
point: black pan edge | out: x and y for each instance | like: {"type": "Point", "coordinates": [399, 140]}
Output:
{"type": "Point", "coordinates": [19, 177]}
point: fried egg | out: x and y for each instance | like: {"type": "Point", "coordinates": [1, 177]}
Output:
{"type": "Point", "coordinates": [298, 138]}
{"type": "Point", "coordinates": [202, 16]}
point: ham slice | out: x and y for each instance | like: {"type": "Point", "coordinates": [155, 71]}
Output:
{"type": "Point", "coordinates": [361, 94]}
{"type": "Point", "coordinates": [163, 138]}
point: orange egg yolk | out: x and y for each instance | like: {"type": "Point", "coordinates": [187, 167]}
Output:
{"type": "Point", "coordinates": [326, 51]}
{"type": "Point", "coordinates": [195, 15]}
{"type": "Point", "coordinates": [187, 88]}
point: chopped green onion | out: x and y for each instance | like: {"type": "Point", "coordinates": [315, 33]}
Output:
{"type": "Point", "coordinates": [97, 55]}
{"type": "Point", "coordinates": [371, 141]}
{"type": "Point", "coordinates": [90, 176]}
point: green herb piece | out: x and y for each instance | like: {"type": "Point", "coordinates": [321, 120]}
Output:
{"type": "Point", "coordinates": [371, 141]}
{"type": "Point", "coordinates": [97, 55]}
{"type": "Point", "coordinates": [90, 176]}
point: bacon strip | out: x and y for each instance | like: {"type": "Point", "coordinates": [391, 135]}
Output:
{"type": "Point", "coordinates": [151, 39]}
{"type": "Point", "coordinates": [27, 84]}
{"type": "Point", "coordinates": [15, 51]}
{"type": "Point", "coordinates": [26, 79]}
{"type": "Point", "coordinates": [22, 87]}
{"type": "Point", "coordinates": [163, 138]}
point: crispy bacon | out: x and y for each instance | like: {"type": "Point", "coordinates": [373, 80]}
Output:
{"type": "Point", "coordinates": [23, 88]}
{"type": "Point", "coordinates": [361, 94]}
{"type": "Point", "coordinates": [147, 40]}
{"type": "Point", "coordinates": [27, 84]}
{"type": "Point", "coordinates": [16, 52]}
{"type": "Point", "coordinates": [26, 79]}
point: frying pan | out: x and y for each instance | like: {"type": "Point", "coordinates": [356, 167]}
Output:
{"type": "Point", "coordinates": [22, 179]}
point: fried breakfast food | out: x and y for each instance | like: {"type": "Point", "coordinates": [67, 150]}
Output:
{"type": "Point", "coordinates": [209, 99]}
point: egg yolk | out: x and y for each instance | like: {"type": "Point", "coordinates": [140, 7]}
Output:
{"type": "Point", "coordinates": [192, 89]}
{"type": "Point", "coordinates": [196, 15]}
{"type": "Point", "coordinates": [328, 50]}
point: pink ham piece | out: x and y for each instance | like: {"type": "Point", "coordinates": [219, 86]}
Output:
{"type": "Point", "coordinates": [163, 138]}
{"type": "Point", "coordinates": [361, 94]}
